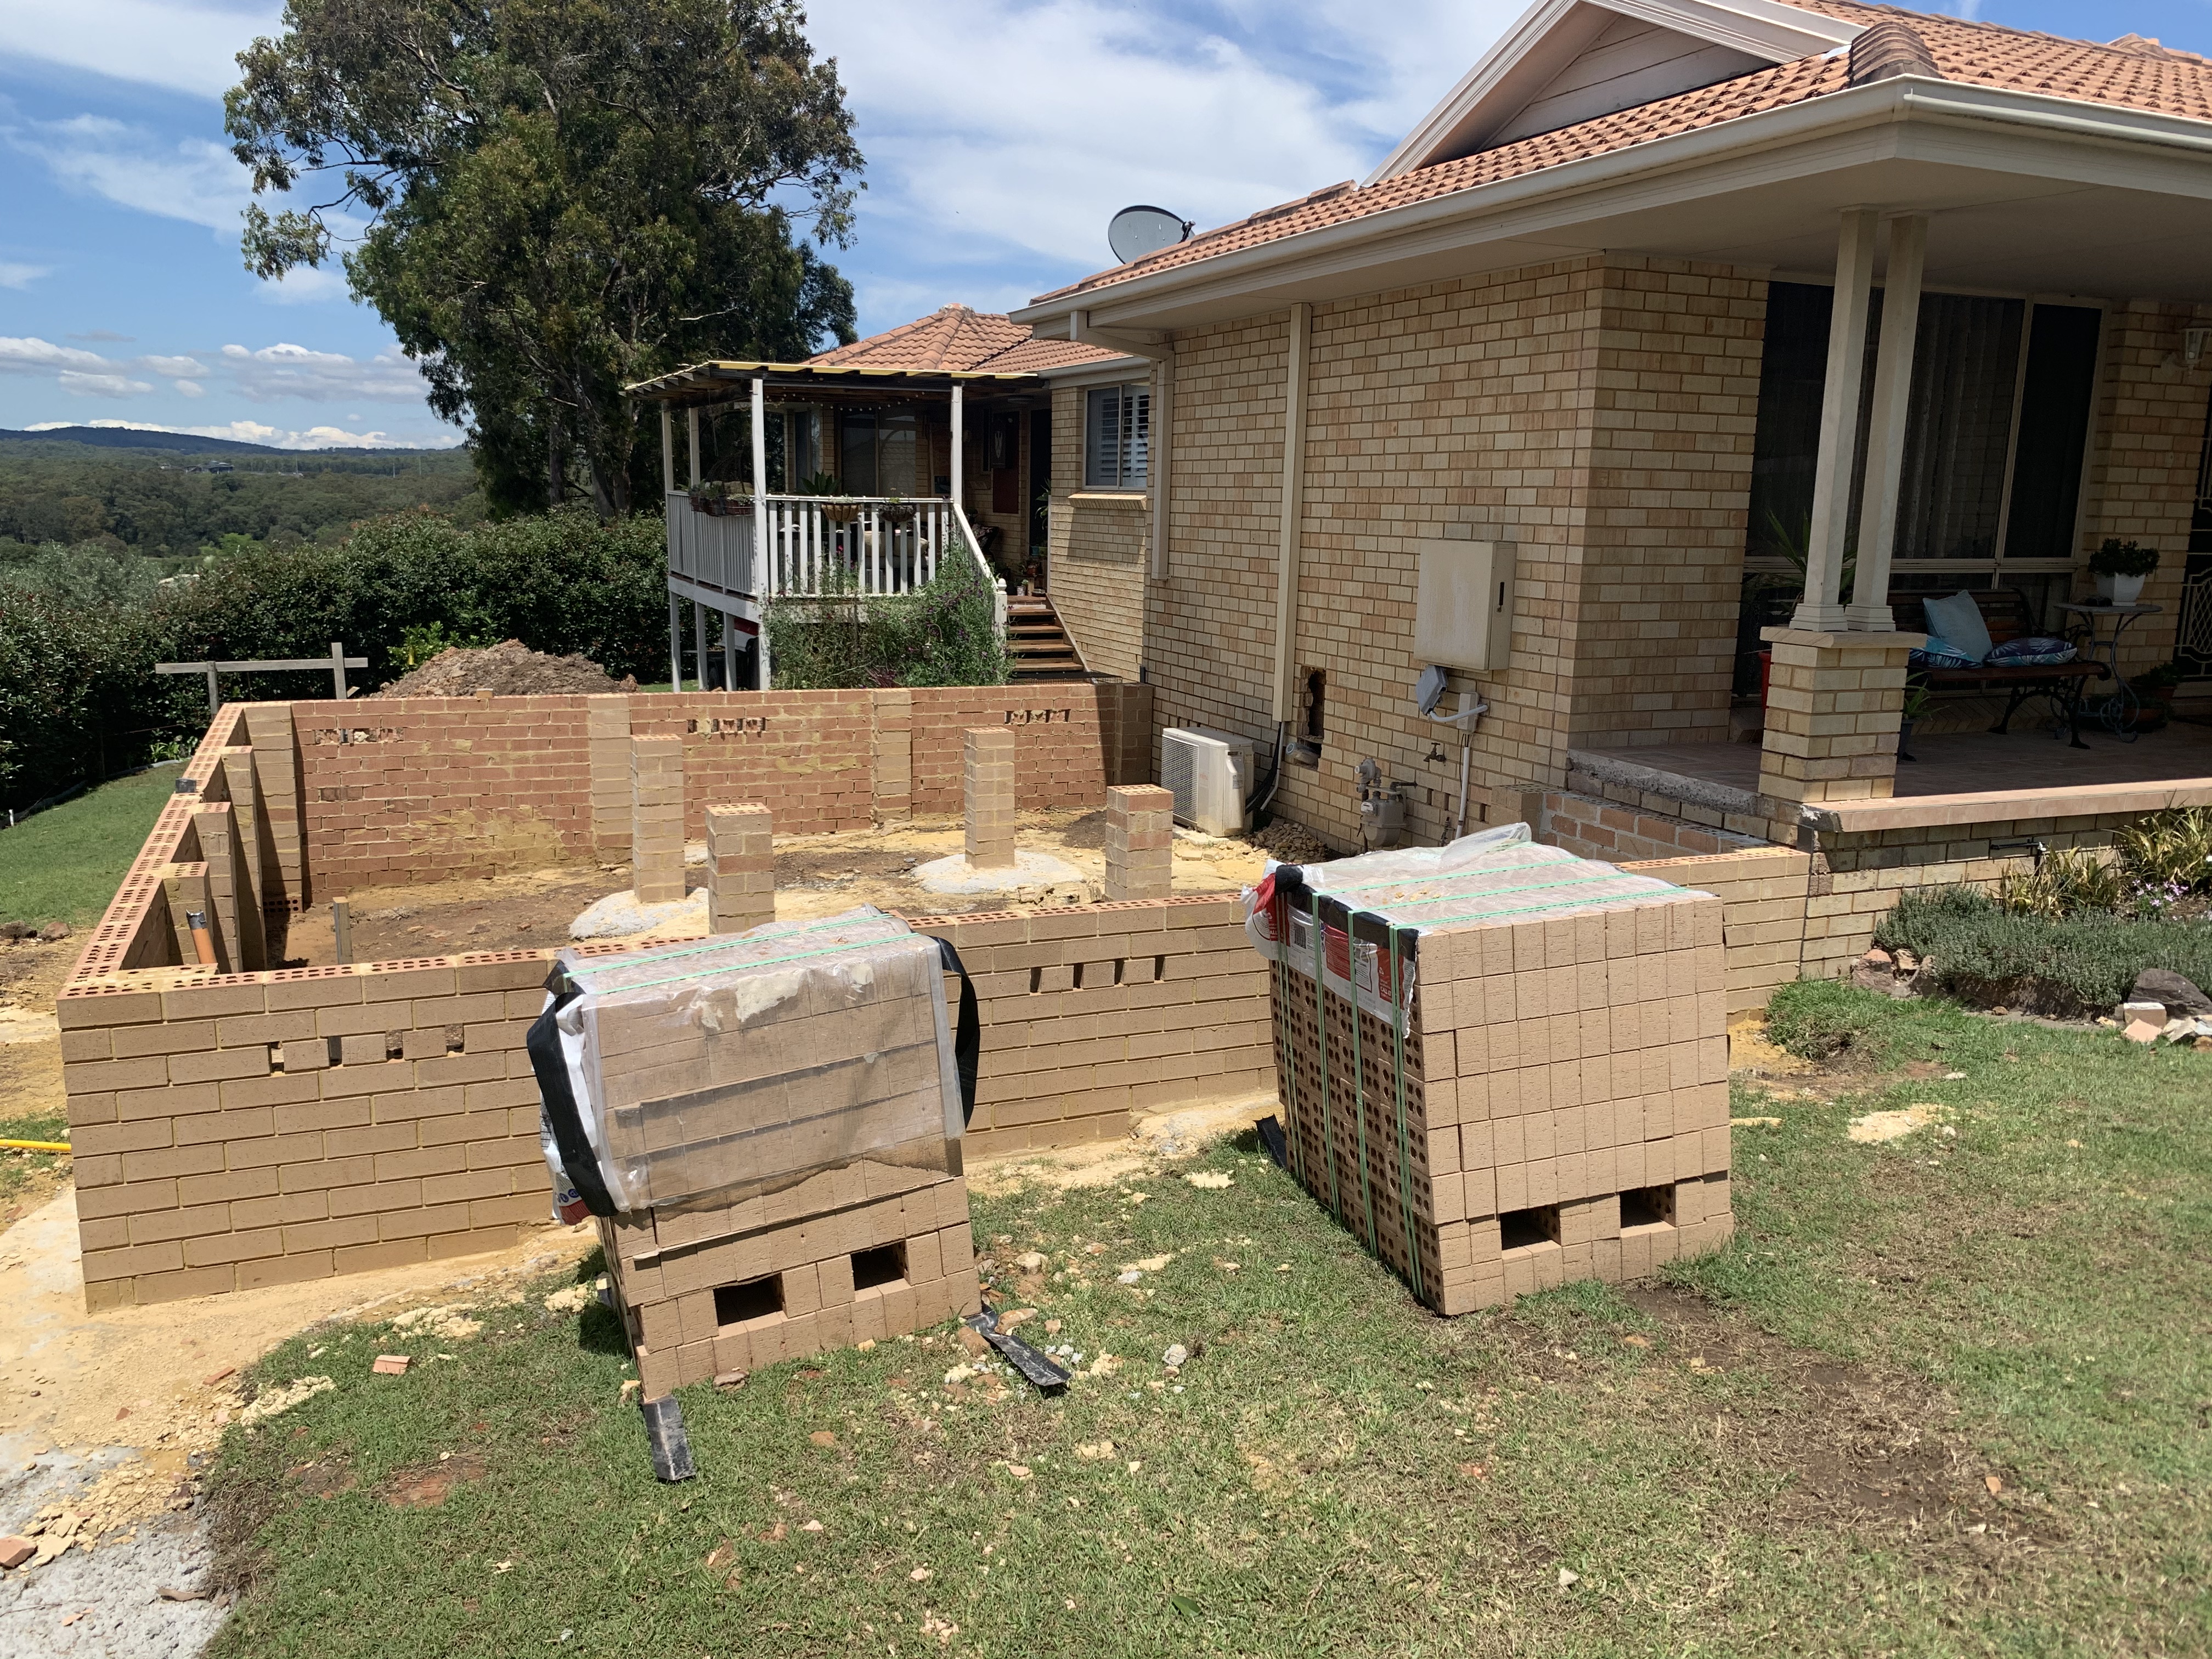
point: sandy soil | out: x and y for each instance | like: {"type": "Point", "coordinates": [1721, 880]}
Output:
{"type": "Point", "coordinates": [815, 875]}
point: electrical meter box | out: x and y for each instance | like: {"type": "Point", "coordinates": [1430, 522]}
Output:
{"type": "Point", "coordinates": [1463, 606]}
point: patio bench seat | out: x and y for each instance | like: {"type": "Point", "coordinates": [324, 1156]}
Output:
{"type": "Point", "coordinates": [2006, 613]}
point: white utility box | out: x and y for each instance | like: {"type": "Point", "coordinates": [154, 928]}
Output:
{"type": "Point", "coordinates": [1463, 605]}
{"type": "Point", "coordinates": [1210, 775]}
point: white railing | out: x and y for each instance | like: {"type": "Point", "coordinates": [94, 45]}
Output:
{"type": "Point", "coordinates": [819, 545]}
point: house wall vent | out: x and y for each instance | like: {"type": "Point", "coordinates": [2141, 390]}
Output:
{"type": "Point", "coordinates": [1210, 775]}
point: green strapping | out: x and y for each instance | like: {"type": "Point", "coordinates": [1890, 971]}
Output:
{"type": "Point", "coordinates": [1282, 922]}
{"type": "Point", "coordinates": [1405, 1146]}
{"type": "Point", "coordinates": [1359, 1100]}
{"type": "Point", "coordinates": [1321, 1033]}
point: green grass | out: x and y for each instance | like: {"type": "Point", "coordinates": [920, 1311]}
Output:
{"type": "Point", "coordinates": [1341, 1473]}
{"type": "Point", "coordinates": [65, 864]}
{"type": "Point", "coordinates": [19, 1170]}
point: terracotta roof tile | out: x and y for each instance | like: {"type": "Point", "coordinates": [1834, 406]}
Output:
{"type": "Point", "coordinates": [2129, 72]}
{"type": "Point", "coordinates": [957, 339]}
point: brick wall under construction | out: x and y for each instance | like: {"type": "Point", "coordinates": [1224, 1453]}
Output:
{"type": "Point", "coordinates": [239, 1127]}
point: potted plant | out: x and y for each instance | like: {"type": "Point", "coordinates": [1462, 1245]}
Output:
{"type": "Point", "coordinates": [2120, 567]}
{"type": "Point", "coordinates": [841, 512]}
{"type": "Point", "coordinates": [703, 496]}
{"type": "Point", "coordinates": [2155, 689]}
{"type": "Point", "coordinates": [896, 511]}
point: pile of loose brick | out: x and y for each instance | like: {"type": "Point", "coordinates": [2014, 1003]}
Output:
{"type": "Point", "coordinates": [1550, 1105]}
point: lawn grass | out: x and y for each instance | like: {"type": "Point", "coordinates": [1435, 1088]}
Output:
{"type": "Point", "coordinates": [20, 1170]}
{"type": "Point", "coordinates": [1338, 1472]}
{"type": "Point", "coordinates": [65, 864]}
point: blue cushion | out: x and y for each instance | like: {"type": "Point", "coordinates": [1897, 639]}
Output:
{"type": "Point", "coordinates": [1942, 653]}
{"type": "Point", "coordinates": [1957, 620]}
{"type": "Point", "coordinates": [2031, 653]}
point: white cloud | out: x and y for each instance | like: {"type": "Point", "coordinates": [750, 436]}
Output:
{"type": "Point", "coordinates": [310, 284]}
{"type": "Point", "coordinates": [106, 336]}
{"type": "Point", "coordinates": [194, 180]}
{"type": "Point", "coordinates": [293, 371]}
{"type": "Point", "coordinates": [187, 367]}
{"type": "Point", "coordinates": [31, 356]}
{"type": "Point", "coordinates": [1138, 105]}
{"type": "Point", "coordinates": [191, 388]}
{"type": "Point", "coordinates": [277, 437]}
{"type": "Point", "coordinates": [13, 274]}
{"type": "Point", "coordinates": [181, 45]}
{"type": "Point", "coordinates": [82, 385]}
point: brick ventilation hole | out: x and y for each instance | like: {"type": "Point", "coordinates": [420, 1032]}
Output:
{"type": "Point", "coordinates": [1518, 1229]}
{"type": "Point", "coordinates": [1648, 1206]}
{"type": "Point", "coordinates": [755, 1298]}
{"type": "Point", "coordinates": [884, 1265]}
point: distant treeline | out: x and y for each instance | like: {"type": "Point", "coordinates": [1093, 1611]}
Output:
{"type": "Point", "coordinates": [81, 628]}
{"type": "Point", "coordinates": [154, 503]}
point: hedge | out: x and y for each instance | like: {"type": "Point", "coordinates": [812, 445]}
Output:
{"type": "Point", "coordinates": [79, 699]}
{"type": "Point", "coordinates": [1973, 948]}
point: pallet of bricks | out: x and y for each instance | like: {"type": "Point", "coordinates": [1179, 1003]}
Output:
{"type": "Point", "coordinates": [1502, 1067]}
{"type": "Point", "coordinates": [768, 1126]}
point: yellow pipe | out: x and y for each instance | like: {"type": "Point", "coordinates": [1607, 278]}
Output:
{"type": "Point", "coordinates": [36, 1146]}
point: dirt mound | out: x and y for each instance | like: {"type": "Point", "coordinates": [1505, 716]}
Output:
{"type": "Point", "coordinates": [1293, 843]}
{"type": "Point", "coordinates": [509, 669]}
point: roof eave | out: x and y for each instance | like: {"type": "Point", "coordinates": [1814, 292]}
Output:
{"type": "Point", "coordinates": [1902, 98]}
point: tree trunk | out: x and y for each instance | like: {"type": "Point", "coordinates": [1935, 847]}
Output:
{"type": "Point", "coordinates": [556, 459]}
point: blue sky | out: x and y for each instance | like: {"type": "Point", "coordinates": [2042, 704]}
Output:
{"type": "Point", "coordinates": [999, 134]}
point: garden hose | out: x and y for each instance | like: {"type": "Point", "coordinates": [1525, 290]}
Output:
{"type": "Point", "coordinates": [35, 1145]}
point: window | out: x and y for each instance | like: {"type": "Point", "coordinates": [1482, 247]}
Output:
{"type": "Point", "coordinates": [1116, 436]}
{"type": "Point", "coordinates": [1991, 489]}
{"type": "Point", "coordinates": [875, 454]}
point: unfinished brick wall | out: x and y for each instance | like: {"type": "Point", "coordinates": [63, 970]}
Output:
{"type": "Point", "coordinates": [1095, 1013]}
{"type": "Point", "coordinates": [1762, 891]}
{"type": "Point", "coordinates": [240, 1129]}
{"type": "Point", "coordinates": [472, 788]}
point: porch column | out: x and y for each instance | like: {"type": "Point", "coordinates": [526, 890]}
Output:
{"type": "Point", "coordinates": [1833, 704]}
{"type": "Point", "coordinates": [699, 642]}
{"type": "Point", "coordinates": [675, 644]}
{"type": "Point", "coordinates": [959, 442]}
{"type": "Point", "coordinates": [760, 460]}
{"type": "Point", "coordinates": [1821, 609]}
{"type": "Point", "coordinates": [667, 452]}
{"type": "Point", "coordinates": [691, 426]}
{"type": "Point", "coordinates": [1893, 400]}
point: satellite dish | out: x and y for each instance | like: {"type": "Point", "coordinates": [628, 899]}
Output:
{"type": "Point", "coordinates": [1136, 231]}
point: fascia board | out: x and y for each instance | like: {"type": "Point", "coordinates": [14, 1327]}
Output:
{"type": "Point", "coordinates": [1111, 372]}
{"type": "Point", "coordinates": [1682, 167]}
{"type": "Point", "coordinates": [1762, 28]}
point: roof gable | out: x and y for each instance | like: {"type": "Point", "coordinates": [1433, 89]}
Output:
{"type": "Point", "coordinates": [958, 340]}
{"type": "Point", "coordinates": [1565, 62]}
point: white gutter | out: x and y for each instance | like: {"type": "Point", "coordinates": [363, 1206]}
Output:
{"type": "Point", "coordinates": [1884, 103]}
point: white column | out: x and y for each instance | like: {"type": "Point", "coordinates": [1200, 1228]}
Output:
{"type": "Point", "coordinates": [691, 425]}
{"type": "Point", "coordinates": [1892, 409]}
{"type": "Point", "coordinates": [667, 452]}
{"type": "Point", "coordinates": [959, 440]}
{"type": "Point", "coordinates": [760, 452]}
{"type": "Point", "coordinates": [698, 643]}
{"type": "Point", "coordinates": [1822, 609]}
{"type": "Point", "coordinates": [675, 644]}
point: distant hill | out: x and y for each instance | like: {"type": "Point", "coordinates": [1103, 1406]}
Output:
{"type": "Point", "coordinates": [181, 443]}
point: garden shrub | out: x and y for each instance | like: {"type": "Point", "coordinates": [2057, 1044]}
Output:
{"type": "Point", "coordinates": [79, 698]}
{"type": "Point", "coordinates": [1970, 945]}
{"type": "Point", "coordinates": [944, 633]}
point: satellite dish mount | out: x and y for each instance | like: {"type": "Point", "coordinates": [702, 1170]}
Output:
{"type": "Point", "coordinates": [1136, 231]}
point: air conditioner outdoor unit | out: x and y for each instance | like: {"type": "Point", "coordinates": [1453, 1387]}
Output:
{"type": "Point", "coordinates": [1210, 775]}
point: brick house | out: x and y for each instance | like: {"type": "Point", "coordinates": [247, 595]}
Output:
{"type": "Point", "coordinates": [1616, 307]}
